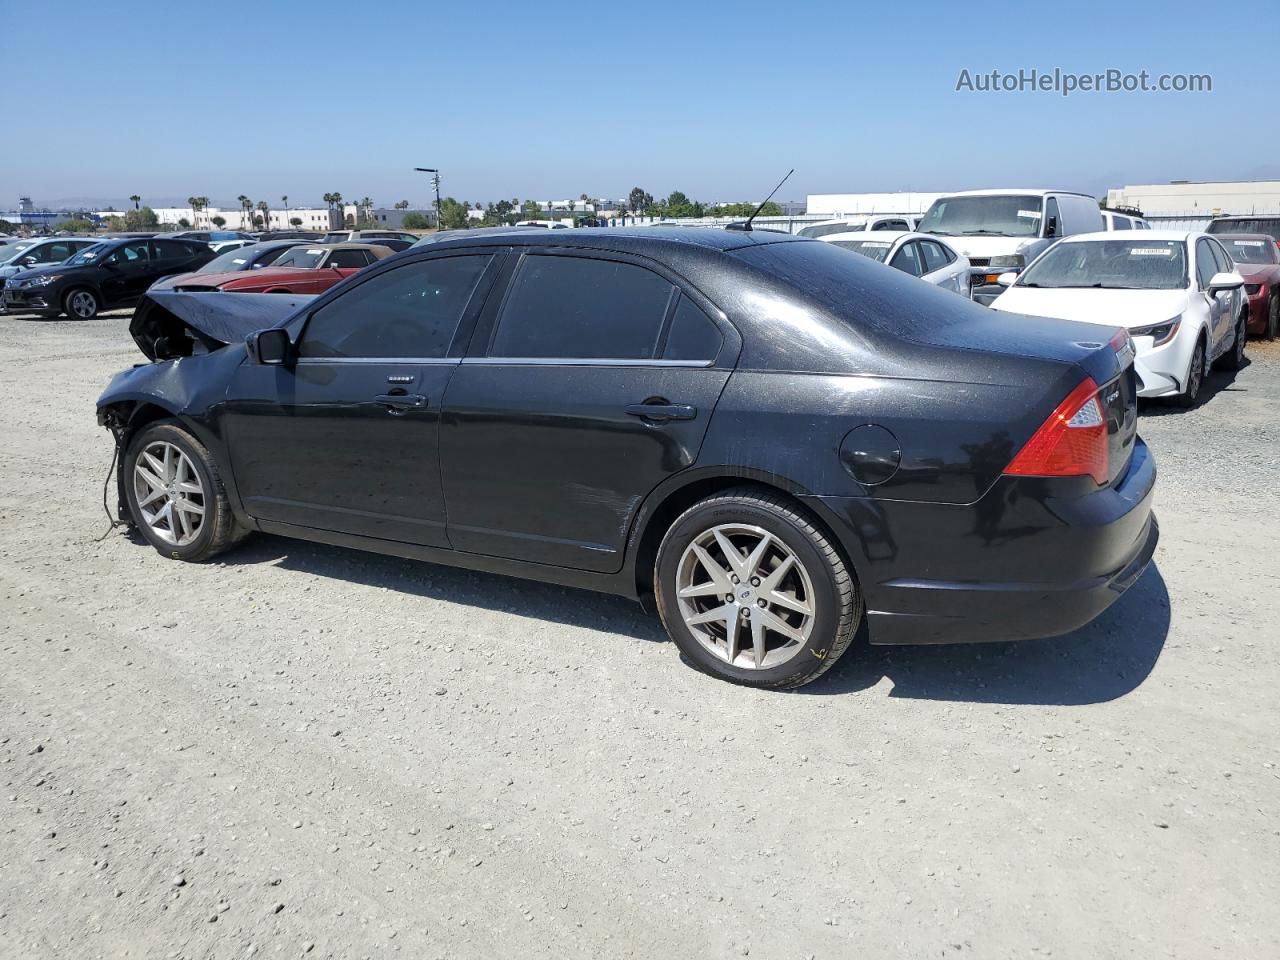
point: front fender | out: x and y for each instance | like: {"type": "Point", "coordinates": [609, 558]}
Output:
{"type": "Point", "coordinates": [186, 386]}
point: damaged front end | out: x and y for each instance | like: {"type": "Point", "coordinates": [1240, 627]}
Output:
{"type": "Point", "coordinates": [169, 324]}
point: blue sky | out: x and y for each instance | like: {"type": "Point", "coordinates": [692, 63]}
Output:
{"type": "Point", "coordinates": [553, 99]}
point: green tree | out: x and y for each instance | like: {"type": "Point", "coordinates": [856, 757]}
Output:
{"type": "Point", "coordinates": [184, 223]}
{"type": "Point", "coordinates": [402, 204]}
{"type": "Point", "coordinates": [531, 211]}
{"type": "Point", "coordinates": [295, 221]}
{"type": "Point", "coordinates": [453, 215]}
{"type": "Point", "coordinates": [266, 213]}
{"type": "Point", "coordinates": [639, 201]}
{"type": "Point", "coordinates": [220, 222]}
{"type": "Point", "coordinates": [415, 221]}
{"type": "Point", "coordinates": [74, 225]}
{"type": "Point", "coordinates": [135, 200]}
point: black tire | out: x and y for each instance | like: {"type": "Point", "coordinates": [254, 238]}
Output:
{"type": "Point", "coordinates": [1233, 359]}
{"type": "Point", "coordinates": [81, 303]}
{"type": "Point", "coordinates": [1191, 389]}
{"type": "Point", "coordinates": [836, 602]}
{"type": "Point", "coordinates": [1273, 317]}
{"type": "Point", "coordinates": [218, 528]}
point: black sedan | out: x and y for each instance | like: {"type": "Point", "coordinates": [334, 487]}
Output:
{"type": "Point", "coordinates": [769, 439]}
{"type": "Point", "coordinates": [113, 273]}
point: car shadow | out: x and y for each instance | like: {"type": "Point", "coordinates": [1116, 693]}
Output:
{"type": "Point", "coordinates": [1101, 661]}
{"type": "Point", "coordinates": [1218, 381]}
{"type": "Point", "coordinates": [489, 591]}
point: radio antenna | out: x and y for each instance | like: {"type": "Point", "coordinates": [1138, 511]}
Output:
{"type": "Point", "coordinates": [747, 224]}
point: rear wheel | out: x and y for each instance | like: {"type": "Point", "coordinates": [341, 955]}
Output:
{"type": "Point", "coordinates": [1195, 376]}
{"type": "Point", "coordinates": [1273, 317]}
{"type": "Point", "coordinates": [1233, 359]}
{"type": "Point", "coordinates": [81, 304]}
{"type": "Point", "coordinates": [753, 592]}
{"type": "Point", "coordinates": [175, 494]}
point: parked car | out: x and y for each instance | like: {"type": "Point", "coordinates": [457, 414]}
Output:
{"type": "Point", "coordinates": [222, 246]}
{"type": "Point", "coordinates": [211, 237]}
{"type": "Point", "coordinates": [1257, 260]}
{"type": "Point", "coordinates": [440, 235]}
{"type": "Point", "coordinates": [107, 274]}
{"type": "Point", "coordinates": [878, 221]}
{"type": "Point", "coordinates": [289, 235]}
{"type": "Point", "coordinates": [253, 257]}
{"type": "Point", "coordinates": [928, 258]}
{"type": "Point", "coordinates": [306, 268]}
{"type": "Point", "coordinates": [1177, 293]}
{"type": "Point", "coordinates": [1119, 220]}
{"type": "Point", "coordinates": [800, 441]}
{"type": "Point", "coordinates": [16, 257]}
{"type": "Point", "coordinates": [1246, 224]}
{"type": "Point", "coordinates": [1004, 230]}
{"type": "Point", "coordinates": [367, 236]}
{"type": "Point", "coordinates": [544, 224]}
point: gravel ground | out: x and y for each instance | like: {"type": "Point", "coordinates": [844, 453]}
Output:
{"type": "Point", "coordinates": [305, 750]}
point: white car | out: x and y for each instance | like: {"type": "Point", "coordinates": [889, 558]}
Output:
{"type": "Point", "coordinates": [874, 221]}
{"type": "Point", "coordinates": [928, 258]}
{"type": "Point", "coordinates": [1177, 293]}
{"type": "Point", "coordinates": [548, 224]}
{"type": "Point", "coordinates": [1115, 220]}
{"type": "Point", "coordinates": [222, 246]}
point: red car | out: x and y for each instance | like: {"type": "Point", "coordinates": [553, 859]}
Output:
{"type": "Point", "coordinates": [310, 268]}
{"type": "Point", "coordinates": [1257, 257]}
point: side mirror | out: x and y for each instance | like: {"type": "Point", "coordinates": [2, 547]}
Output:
{"type": "Point", "coordinates": [27, 262]}
{"type": "Point", "coordinates": [270, 347]}
{"type": "Point", "coordinates": [1051, 227]}
{"type": "Point", "coordinates": [1225, 281]}
{"type": "Point", "coordinates": [1007, 279]}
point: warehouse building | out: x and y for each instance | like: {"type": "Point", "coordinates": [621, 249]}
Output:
{"type": "Point", "coordinates": [1206, 198]}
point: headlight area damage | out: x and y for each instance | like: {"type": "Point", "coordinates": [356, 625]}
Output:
{"type": "Point", "coordinates": [169, 324]}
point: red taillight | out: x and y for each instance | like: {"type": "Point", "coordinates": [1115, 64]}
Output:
{"type": "Point", "coordinates": [1071, 443]}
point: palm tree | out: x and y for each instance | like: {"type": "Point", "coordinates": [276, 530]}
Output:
{"type": "Point", "coordinates": [266, 213]}
{"type": "Point", "coordinates": [402, 204]}
{"type": "Point", "coordinates": [245, 206]}
{"type": "Point", "coordinates": [136, 200]}
{"type": "Point", "coordinates": [194, 204]}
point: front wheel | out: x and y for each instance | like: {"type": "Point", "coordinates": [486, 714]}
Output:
{"type": "Point", "coordinates": [175, 493]}
{"type": "Point", "coordinates": [81, 304]}
{"type": "Point", "coordinates": [1195, 376]}
{"type": "Point", "coordinates": [753, 592]}
{"type": "Point", "coordinates": [1273, 317]}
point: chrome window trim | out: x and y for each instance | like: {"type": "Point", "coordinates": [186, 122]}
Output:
{"type": "Point", "coordinates": [584, 362]}
{"type": "Point", "coordinates": [301, 361]}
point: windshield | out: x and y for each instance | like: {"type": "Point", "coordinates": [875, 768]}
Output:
{"type": "Point", "coordinates": [982, 216]}
{"type": "Point", "coordinates": [875, 249]}
{"type": "Point", "coordinates": [11, 252]}
{"type": "Point", "coordinates": [307, 258]}
{"type": "Point", "coordinates": [1265, 225]}
{"type": "Point", "coordinates": [91, 254]}
{"type": "Point", "coordinates": [822, 229]}
{"type": "Point", "coordinates": [1111, 265]}
{"type": "Point", "coordinates": [335, 237]}
{"type": "Point", "coordinates": [1251, 251]}
{"type": "Point", "coordinates": [228, 262]}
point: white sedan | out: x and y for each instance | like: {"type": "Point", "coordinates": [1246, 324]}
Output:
{"type": "Point", "coordinates": [1177, 293]}
{"type": "Point", "coordinates": [928, 258]}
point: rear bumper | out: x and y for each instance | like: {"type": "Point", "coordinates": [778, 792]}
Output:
{"type": "Point", "coordinates": [1259, 310]}
{"type": "Point", "coordinates": [1031, 558]}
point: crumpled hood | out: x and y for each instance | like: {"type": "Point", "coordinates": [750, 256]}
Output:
{"type": "Point", "coordinates": [1114, 308]}
{"type": "Point", "coordinates": [170, 324]}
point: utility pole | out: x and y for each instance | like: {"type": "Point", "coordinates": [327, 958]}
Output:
{"type": "Point", "coordinates": [435, 182]}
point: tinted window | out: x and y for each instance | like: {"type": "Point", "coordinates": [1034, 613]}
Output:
{"type": "Point", "coordinates": [135, 252]}
{"type": "Point", "coordinates": [1052, 215]}
{"type": "Point", "coordinates": [53, 252]}
{"type": "Point", "coordinates": [576, 308]}
{"type": "Point", "coordinates": [1251, 251]}
{"type": "Point", "coordinates": [412, 311]}
{"type": "Point", "coordinates": [348, 258]}
{"type": "Point", "coordinates": [169, 250]}
{"type": "Point", "coordinates": [1206, 266]}
{"type": "Point", "coordinates": [1268, 225]}
{"type": "Point", "coordinates": [1220, 255]}
{"type": "Point", "coordinates": [1121, 223]}
{"type": "Point", "coordinates": [906, 260]}
{"type": "Point", "coordinates": [693, 335]}
{"type": "Point", "coordinates": [934, 258]}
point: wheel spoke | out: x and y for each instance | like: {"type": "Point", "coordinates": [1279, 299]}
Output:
{"type": "Point", "coordinates": [155, 464]}
{"type": "Point", "coordinates": [708, 589]}
{"type": "Point", "coordinates": [187, 487]}
{"type": "Point", "coordinates": [186, 506]}
{"type": "Point", "coordinates": [149, 478]}
{"type": "Point", "coordinates": [718, 574]}
{"type": "Point", "coordinates": [169, 468]}
{"type": "Point", "coordinates": [788, 601]}
{"type": "Point", "coordinates": [154, 494]}
{"type": "Point", "coordinates": [756, 557]}
{"type": "Point", "coordinates": [731, 554]}
{"type": "Point", "coordinates": [731, 634]}
{"type": "Point", "coordinates": [715, 613]}
{"type": "Point", "coordinates": [757, 636]}
{"type": "Point", "coordinates": [770, 583]}
{"type": "Point", "coordinates": [778, 625]}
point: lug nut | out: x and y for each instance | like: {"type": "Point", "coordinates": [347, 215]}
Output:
{"type": "Point", "coordinates": [760, 603]}
{"type": "Point", "coordinates": [746, 612]}
{"type": "Point", "coordinates": [728, 598]}
{"type": "Point", "coordinates": [735, 579]}
{"type": "Point", "coordinates": [755, 581]}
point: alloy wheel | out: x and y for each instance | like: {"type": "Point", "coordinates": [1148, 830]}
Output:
{"type": "Point", "coordinates": [1196, 373]}
{"type": "Point", "coordinates": [745, 596]}
{"type": "Point", "coordinates": [1273, 318]}
{"type": "Point", "coordinates": [169, 493]}
{"type": "Point", "coordinates": [83, 304]}
{"type": "Point", "coordinates": [1242, 333]}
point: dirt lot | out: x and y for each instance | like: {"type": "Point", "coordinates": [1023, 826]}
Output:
{"type": "Point", "coordinates": [304, 750]}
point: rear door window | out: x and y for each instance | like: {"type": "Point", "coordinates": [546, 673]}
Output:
{"type": "Point", "coordinates": [170, 251]}
{"type": "Point", "coordinates": [411, 312]}
{"type": "Point", "coordinates": [934, 258]}
{"type": "Point", "coordinates": [348, 258]}
{"type": "Point", "coordinates": [907, 260]}
{"type": "Point", "coordinates": [577, 308]}
{"type": "Point", "coordinates": [693, 335]}
{"type": "Point", "coordinates": [1206, 266]}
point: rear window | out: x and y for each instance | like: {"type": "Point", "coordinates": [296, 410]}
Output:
{"type": "Point", "coordinates": [858, 291]}
{"type": "Point", "coordinates": [1268, 225]}
{"type": "Point", "coordinates": [1251, 251]}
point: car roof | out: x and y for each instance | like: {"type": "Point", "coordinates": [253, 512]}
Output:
{"type": "Point", "coordinates": [1182, 235]}
{"type": "Point", "coordinates": [1012, 192]}
{"type": "Point", "coordinates": [873, 235]}
{"type": "Point", "coordinates": [623, 239]}
{"type": "Point", "coordinates": [346, 245]}
{"type": "Point", "coordinates": [1244, 236]}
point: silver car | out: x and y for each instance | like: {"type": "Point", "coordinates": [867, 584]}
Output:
{"type": "Point", "coordinates": [37, 252]}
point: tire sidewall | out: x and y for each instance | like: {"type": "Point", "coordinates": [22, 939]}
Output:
{"type": "Point", "coordinates": [822, 637]}
{"type": "Point", "coordinates": [66, 303]}
{"type": "Point", "coordinates": [171, 433]}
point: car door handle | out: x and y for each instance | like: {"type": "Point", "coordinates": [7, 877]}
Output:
{"type": "Point", "coordinates": [662, 411]}
{"type": "Point", "coordinates": [400, 402]}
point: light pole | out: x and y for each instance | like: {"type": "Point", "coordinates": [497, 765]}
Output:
{"type": "Point", "coordinates": [435, 182]}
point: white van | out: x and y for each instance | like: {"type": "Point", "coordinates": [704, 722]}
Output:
{"type": "Point", "coordinates": [1001, 231]}
{"type": "Point", "coordinates": [870, 221]}
{"type": "Point", "coordinates": [1116, 220]}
